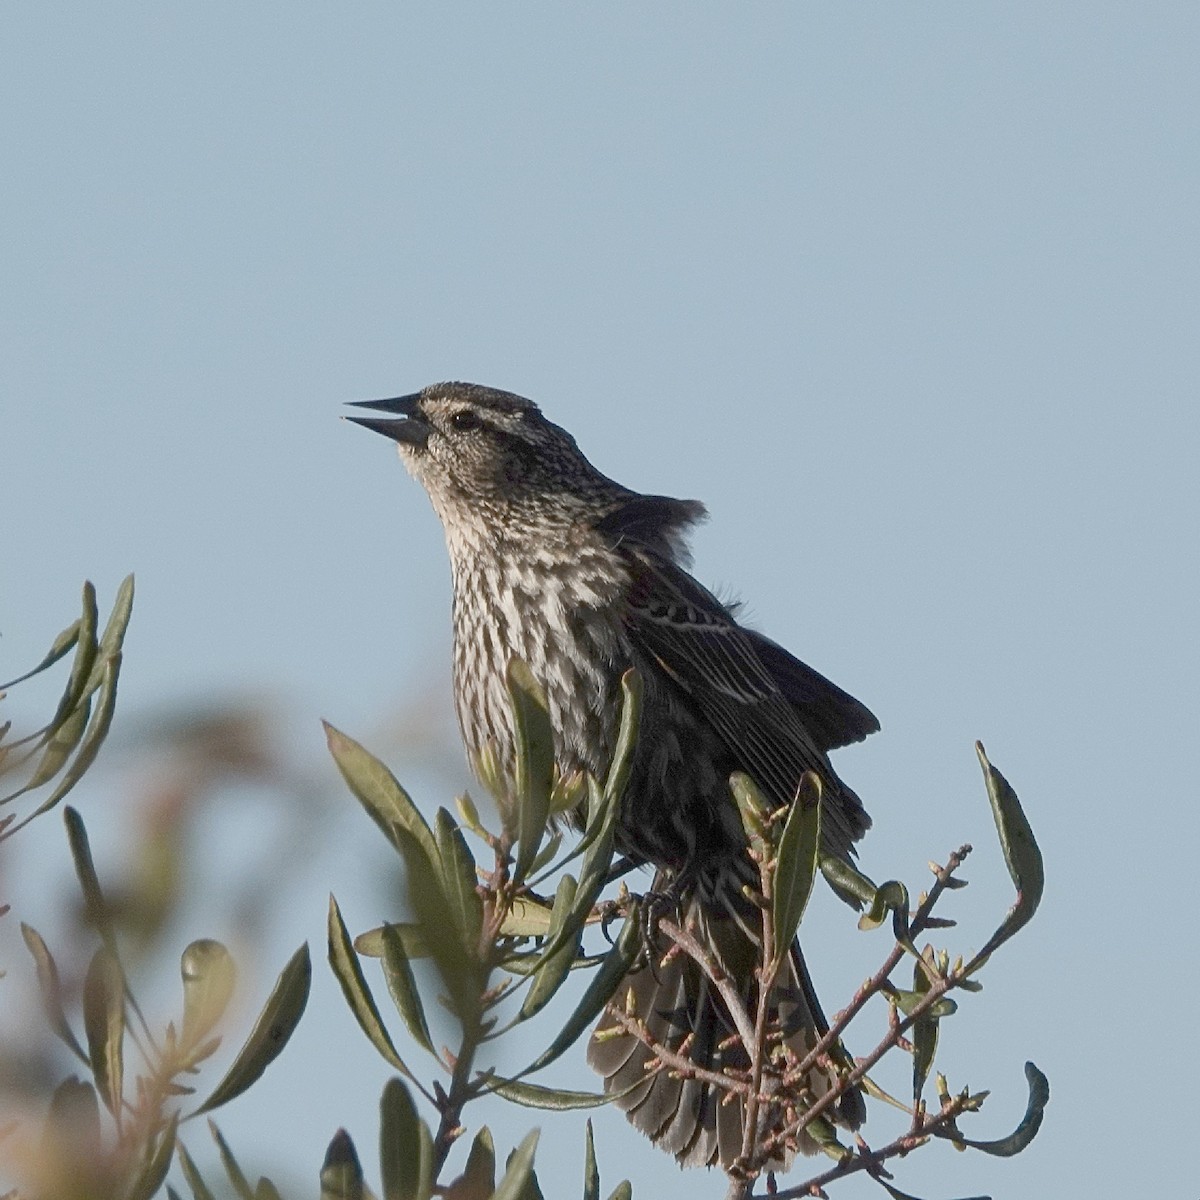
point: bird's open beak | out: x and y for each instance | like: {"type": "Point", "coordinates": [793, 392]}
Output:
{"type": "Point", "coordinates": [409, 427]}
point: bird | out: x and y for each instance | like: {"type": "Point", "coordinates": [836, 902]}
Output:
{"type": "Point", "coordinates": [558, 565]}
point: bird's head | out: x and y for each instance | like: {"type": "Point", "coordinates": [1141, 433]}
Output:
{"type": "Point", "coordinates": [478, 451]}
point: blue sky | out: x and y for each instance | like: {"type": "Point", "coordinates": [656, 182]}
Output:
{"type": "Point", "coordinates": [906, 294]}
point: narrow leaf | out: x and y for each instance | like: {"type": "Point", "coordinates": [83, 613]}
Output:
{"type": "Point", "coordinates": [752, 808]}
{"type": "Point", "coordinates": [354, 987]}
{"type": "Point", "coordinates": [274, 1027]}
{"type": "Point", "coordinates": [410, 935]}
{"type": "Point", "coordinates": [597, 859]}
{"type": "Point", "coordinates": [520, 1170]}
{"type": "Point", "coordinates": [1021, 855]}
{"type": "Point", "coordinates": [113, 637]}
{"type": "Point", "coordinates": [479, 1175]}
{"type": "Point", "coordinates": [529, 916]}
{"type": "Point", "coordinates": [532, 1095]}
{"type": "Point", "coordinates": [73, 1122]}
{"type": "Point", "coordinates": [924, 1035]}
{"type": "Point", "coordinates": [535, 763]}
{"type": "Point", "coordinates": [377, 789]}
{"type": "Point", "coordinates": [458, 873]}
{"type": "Point", "coordinates": [341, 1173]}
{"type": "Point", "coordinates": [104, 1023]}
{"type": "Point", "coordinates": [591, 1172]}
{"type": "Point", "coordinates": [598, 993]}
{"type": "Point", "coordinates": [849, 883]}
{"type": "Point", "coordinates": [60, 746]}
{"type": "Point", "coordinates": [460, 971]}
{"type": "Point", "coordinates": [50, 988]}
{"type": "Point", "coordinates": [93, 738]}
{"type": "Point", "coordinates": [623, 1191]}
{"type": "Point", "coordinates": [399, 1143]}
{"type": "Point", "coordinates": [86, 650]}
{"type": "Point", "coordinates": [154, 1171]}
{"type": "Point", "coordinates": [402, 986]}
{"type": "Point", "coordinates": [236, 1175]}
{"type": "Point", "coordinates": [208, 974]}
{"type": "Point", "coordinates": [1026, 1131]}
{"type": "Point", "coordinates": [796, 863]}
{"type": "Point", "coordinates": [60, 647]}
{"type": "Point", "coordinates": [627, 735]}
{"type": "Point", "coordinates": [199, 1189]}
{"type": "Point", "coordinates": [563, 945]}
{"type": "Point", "coordinates": [93, 898]}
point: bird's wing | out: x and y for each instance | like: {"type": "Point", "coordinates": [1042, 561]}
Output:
{"type": "Point", "coordinates": [775, 728]}
{"type": "Point", "coordinates": [833, 717]}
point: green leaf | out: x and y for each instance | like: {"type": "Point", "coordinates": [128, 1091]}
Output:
{"type": "Point", "coordinates": [274, 1027]}
{"type": "Point", "coordinates": [61, 645]}
{"type": "Point", "coordinates": [461, 973]}
{"type": "Point", "coordinates": [470, 816]}
{"type": "Point", "coordinates": [377, 789]}
{"type": "Point", "coordinates": [199, 1189]}
{"type": "Point", "coordinates": [266, 1190]}
{"type": "Point", "coordinates": [520, 1170]}
{"type": "Point", "coordinates": [95, 908]}
{"type": "Point", "coordinates": [113, 637]}
{"type": "Point", "coordinates": [86, 649]}
{"type": "Point", "coordinates": [796, 863]}
{"type": "Point", "coordinates": [1026, 1131]}
{"type": "Point", "coordinates": [597, 858]}
{"type": "Point", "coordinates": [237, 1177]}
{"type": "Point", "coordinates": [209, 974]}
{"type": "Point", "coordinates": [563, 945]}
{"type": "Point", "coordinates": [73, 1120]}
{"type": "Point", "coordinates": [598, 993]}
{"type": "Point", "coordinates": [479, 1175]}
{"type": "Point", "coordinates": [1021, 855]}
{"type": "Point", "coordinates": [404, 1174]}
{"type": "Point", "coordinates": [535, 763]}
{"type": "Point", "coordinates": [60, 746]}
{"type": "Point", "coordinates": [891, 896]}
{"type": "Point", "coordinates": [458, 872]}
{"type": "Point", "coordinates": [50, 989]}
{"type": "Point", "coordinates": [93, 738]}
{"type": "Point", "coordinates": [528, 916]}
{"type": "Point", "coordinates": [403, 987]}
{"type": "Point", "coordinates": [623, 1191]}
{"type": "Point", "coordinates": [154, 1171]}
{"type": "Point", "coordinates": [354, 987]}
{"type": "Point", "coordinates": [412, 939]}
{"type": "Point", "coordinates": [924, 1031]}
{"type": "Point", "coordinates": [752, 808]}
{"type": "Point", "coordinates": [849, 883]}
{"type": "Point", "coordinates": [341, 1173]}
{"type": "Point", "coordinates": [549, 850]}
{"type": "Point", "coordinates": [393, 811]}
{"type": "Point", "coordinates": [907, 1001]}
{"type": "Point", "coordinates": [533, 1095]}
{"type": "Point", "coordinates": [627, 735]}
{"type": "Point", "coordinates": [104, 1023]}
{"type": "Point", "coordinates": [591, 1172]}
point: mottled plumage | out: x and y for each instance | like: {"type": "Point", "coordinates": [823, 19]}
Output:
{"type": "Point", "coordinates": [582, 578]}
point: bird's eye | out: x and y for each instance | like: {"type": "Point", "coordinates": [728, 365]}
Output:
{"type": "Point", "coordinates": [464, 420]}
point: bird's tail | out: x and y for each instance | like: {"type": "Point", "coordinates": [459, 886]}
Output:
{"type": "Point", "coordinates": [683, 1012]}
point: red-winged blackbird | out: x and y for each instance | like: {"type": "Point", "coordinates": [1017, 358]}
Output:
{"type": "Point", "coordinates": [581, 578]}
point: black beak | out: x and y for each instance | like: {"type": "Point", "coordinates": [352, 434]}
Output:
{"type": "Point", "coordinates": [410, 428]}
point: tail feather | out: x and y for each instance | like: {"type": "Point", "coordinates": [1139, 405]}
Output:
{"type": "Point", "coordinates": [687, 1117]}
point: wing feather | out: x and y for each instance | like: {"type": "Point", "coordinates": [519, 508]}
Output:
{"type": "Point", "coordinates": [776, 716]}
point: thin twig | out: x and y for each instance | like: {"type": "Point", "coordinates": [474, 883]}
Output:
{"type": "Point", "coordinates": [716, 974]}
{"type": "Point", "coordinates": [872, 1160]}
